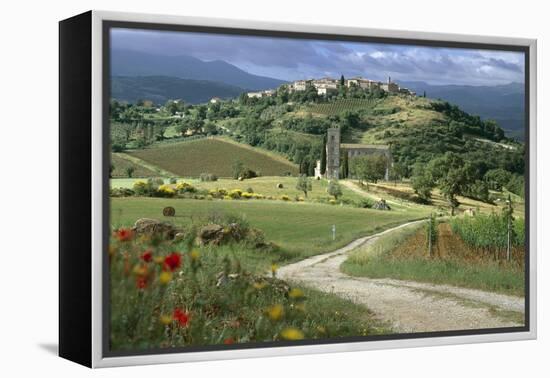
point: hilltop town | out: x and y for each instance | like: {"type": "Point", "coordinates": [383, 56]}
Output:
{"type": "Point", "coordinates": [327, 85]}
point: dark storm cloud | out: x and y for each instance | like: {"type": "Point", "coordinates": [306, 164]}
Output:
{"type": "Point", "coordinates": [292, 59]}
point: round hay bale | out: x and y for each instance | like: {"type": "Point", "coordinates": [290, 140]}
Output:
{"type": "Point", "coordinates": [169, 211]}
{"type": "Point", "coordinates": [279, 186]}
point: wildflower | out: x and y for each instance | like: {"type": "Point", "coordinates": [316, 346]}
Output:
{"type": "Point", "coordinates": [195, 255]}
{"type": "Point", "coordinates": [296, 293]}
{"type": "Point", "coordinates": [141, 282]}
{"type": "Point", "coordinates": [166, 319]}
{"type": "Point", "coordinates": [147, 256]}
{"type": "Point", "coordinates": [182, 317]}
{"type": "Point", "coordinates": [275, 312]}
{"type": "Point", "coordinates": [229, 341]}
{"type": "Point", "coordinates": [124, 234]}
{"type": "Point", "coordinates": [292, 334]}
{"type": "Point", "coordinates": [172, 261]}
{"type": "Point", "coordinates": [165, 277]}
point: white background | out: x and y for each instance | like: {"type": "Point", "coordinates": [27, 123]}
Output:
{"type": "Point", "coordinates": [29, 214]}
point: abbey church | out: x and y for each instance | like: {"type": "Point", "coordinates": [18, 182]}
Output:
{"type": "Point", "coordinates": [334, 150]}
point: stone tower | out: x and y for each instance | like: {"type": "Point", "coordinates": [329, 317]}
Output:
{"type": "Point", "coordinates": [333, 153]}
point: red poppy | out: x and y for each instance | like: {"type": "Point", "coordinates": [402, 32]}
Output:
{"type": "Point", "coordinates": [182, 317]}
{"type": "Point", "coordinates": [147, 256]}
{"type": "Point", "coordinates": [172, 261]}
{"type": "Point", "coordinates": [141, 282]}
{"type": "Point", "coordinates": [124, 234]}
{"type": "Point", "coordinates": [229, 341]}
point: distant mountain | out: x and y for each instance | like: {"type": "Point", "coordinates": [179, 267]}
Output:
{"type": "Point", "coordinates": [502, 103]}
{"type": "Point", "coordinates": [159, 89]}
{"type": "Point", "coordinates": [134, 63]}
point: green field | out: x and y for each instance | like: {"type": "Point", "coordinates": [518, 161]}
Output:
{"type": "Point", "coordinates": [191, 158]}
{"type": "Point", "coordinates": [301, 229]}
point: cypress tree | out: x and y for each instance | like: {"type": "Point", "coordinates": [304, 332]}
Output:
{"type": "Point", "coordinates": [345, 165]}
{"type": "Point", "coordinates": [324, 156]}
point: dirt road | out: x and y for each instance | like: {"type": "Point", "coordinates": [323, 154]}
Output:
{"type": "Point", "coordinates": [407, 306]}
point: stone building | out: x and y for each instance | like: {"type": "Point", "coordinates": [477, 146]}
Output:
{"type": "Point", "coordinates": [334, 150]}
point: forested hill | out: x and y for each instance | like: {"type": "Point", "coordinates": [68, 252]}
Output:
{"type": "Point", "coordinates": [419, 130]}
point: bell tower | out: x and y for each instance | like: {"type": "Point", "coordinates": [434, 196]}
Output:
{"type": "Point", "coordinates": [333, 153]}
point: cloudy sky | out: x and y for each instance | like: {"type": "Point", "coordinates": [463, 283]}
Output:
{"type": "Point", "coordinates": [292, 59]}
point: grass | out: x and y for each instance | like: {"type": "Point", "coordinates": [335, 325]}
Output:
{"type": "Point", "coordinates": [300, 229]}
{"type": "Point", "coordinates": [212, 155]}
{"type": "Point", "coordinates": [402, 255]}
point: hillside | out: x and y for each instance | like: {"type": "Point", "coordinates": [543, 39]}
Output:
{"type": "Point", "coordinates": [502, 103]}
{"type": "Point", "coordinates": [160, 89]}
{"type": "Point", "coordinates": [134, 63]}
{"type": "Point", "coordinates": [212, 155]}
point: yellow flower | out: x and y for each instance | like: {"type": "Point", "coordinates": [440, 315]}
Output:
{"type": "Point", "coordinates": [165, 277]}
{"type": "Point", "coordinates": [274, 268]}
{"type": "Point", "coordinates": [292, 334]}
{"type": "Point", "coordinates": [195, 255]}
{"type": "Point", "coordinates": [259, 285]}
{"type": "Point", "coordinates": [275, 312]}
{"type": "Point", "coordinates": [165, 319]}
{"type": "Point", "coordinates": [296, 293]}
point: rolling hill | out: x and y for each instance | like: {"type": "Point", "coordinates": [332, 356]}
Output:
{"type": "Point", "coordinates": [134, 63]}
{"type": "Point", "coordinates": [159, 89]}
{"type": "Point", "coordinates": [502, 103]}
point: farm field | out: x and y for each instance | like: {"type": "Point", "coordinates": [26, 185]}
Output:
{"type": "Point", "coordinates": [403, 255]}
{"type": "Point", "coordinates": [337, 107]}
{"type": "Point", "coordinates": [216, 156]}
{"type": "Point", "coordinates": [121, 163]}
{"type": "Point", "coordinates": [300, 229]}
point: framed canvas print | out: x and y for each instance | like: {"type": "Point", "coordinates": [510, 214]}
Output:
{"type": "Point", "coordinates": [238, 189]}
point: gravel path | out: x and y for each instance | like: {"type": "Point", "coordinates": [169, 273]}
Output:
{"type": "Point", "coordinates": [407, 306]}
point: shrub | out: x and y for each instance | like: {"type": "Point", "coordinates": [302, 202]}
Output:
{"type": "Point", "coordinates": [144, 188]}
{"type": "Point", "coordinates": [365, 203]}
{"type": "Point", "coordinates": [173, 180]}
{"type": "Point", "coordinates": [248, 174]}
{"type": "Point", "coordinates": [184, 187]}
{"type": "Point", "coordinates": [206, 177]}
{"type": "Point", "coordinates": [165, 191]}
{"type": "Point", "coordinates": [121, 192]}
{"type": "Point", "coordinates": [158, 181]}
{"type": "Point", "coordinates": [235, 193]}
{"type": "Point", "coordinates": [249, 190]}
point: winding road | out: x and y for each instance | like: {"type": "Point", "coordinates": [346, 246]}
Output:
{"type": "Point", "coordinates": [407, 306]}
